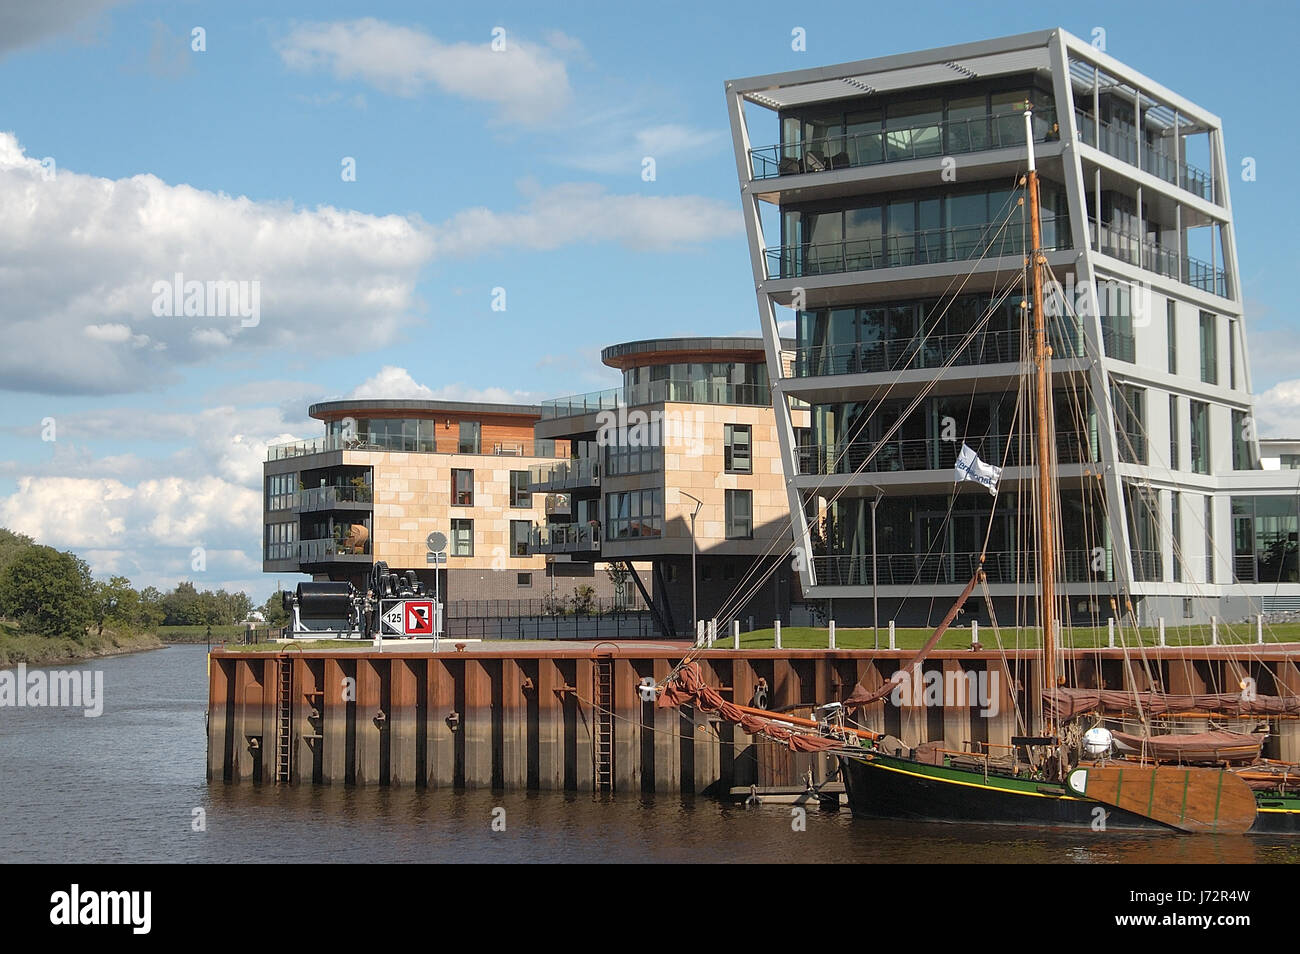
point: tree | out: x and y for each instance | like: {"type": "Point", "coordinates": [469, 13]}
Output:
{"type": "Point", "coordinates": [48, 592]}
{"type": "Point", "coordinates": [151, 613]}
{"type": "Point", "coordinates": [181, 606]}
{"type": "Point", "coordinates": [274, 611]}
{"type": "Point", "coordinates": [116, 601]}
{"type": "Point", "coordinates": [11, 544]}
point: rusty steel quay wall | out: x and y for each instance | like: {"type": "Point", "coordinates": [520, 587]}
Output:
{"type": "Point", "coordinates": [529, 719]}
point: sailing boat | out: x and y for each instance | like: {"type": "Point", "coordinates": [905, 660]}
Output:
{"type": "Point", "coordinates": [1106, 780]}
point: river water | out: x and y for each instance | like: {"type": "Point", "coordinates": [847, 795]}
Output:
{"type": "Point", "coordinates": [124, 787]}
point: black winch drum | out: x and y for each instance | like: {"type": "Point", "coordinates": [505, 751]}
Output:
{"type": "Point", "coordinates": [325, 600]}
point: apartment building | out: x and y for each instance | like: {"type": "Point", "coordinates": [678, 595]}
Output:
{"type": "Point", "coordinates": [681, 459]}
{"type": "Point", "coordinates": [884, 218]}
{"type": "Point", "coordinates": [387, 473]}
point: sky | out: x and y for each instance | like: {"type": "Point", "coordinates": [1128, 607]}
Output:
{"type": "Point", "coordinates": [378, 176]}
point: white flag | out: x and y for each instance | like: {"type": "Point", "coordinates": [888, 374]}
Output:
{"type": "Point", "coordinates": [970, 467]}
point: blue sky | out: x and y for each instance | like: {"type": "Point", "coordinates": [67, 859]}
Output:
{"type": "Point", "coordinates": [521, 173]}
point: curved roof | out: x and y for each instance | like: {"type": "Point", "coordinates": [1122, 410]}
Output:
{"type": "Point", "coordinates": [328, 409]}
{"type": "Point", "coordinates": [629, 353]}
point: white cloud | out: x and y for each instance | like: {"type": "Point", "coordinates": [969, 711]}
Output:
{"type": "Point", "coordinates": [528, 83]}
{"type": "Point", "coordinates": [1277, 410]}
{"type": "Point", "coordinates": [22, 24]}
{"type": "Point", "coordinates": [397, 383]}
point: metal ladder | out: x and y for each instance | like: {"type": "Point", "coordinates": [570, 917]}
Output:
{"type": "Point", "coordinates": [284, 723]}
{"type": "Point", "coordinates": [602, 752]}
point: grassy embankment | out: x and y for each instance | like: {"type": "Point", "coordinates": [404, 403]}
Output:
{"type": "Point", "coordinates": [17, 646]}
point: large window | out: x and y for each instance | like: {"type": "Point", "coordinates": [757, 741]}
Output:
{"type": "Point", "coordinates": [462, 488]}
{"type": "Point", "coordinates": [1176, 532]}
{"type": "Point", "coordinates": [1144, 533]}
{"type": "Point", "coordinates": [280, 491]}
{"type": "Point", "coordinates": [1171, 334]}
{"type": "Point", "coordinates": [1232, 352]}
{"type": "Point", "coordinates": [281, 541]}
{"type": "Point", "coordinates": [736, 449]}
{"type": "Point", "coordinates": [519, 493]}
{"type": "Point", "coordinates": [1200, 435]}
{"type": "Point", "coordinates": [469, 438]}
{"type": "Point", "coordinates": [519, 537]}
{"type": "Point", "coordinates": [740, 514]}
{"type": "Point", "coordinates": [1209, 348]}
{"type": "Point", "coordinates": [1130, 417]}
{"type": "Point", "coordinates": [1175, 451]}
{"type": "Point", "coordinates": [1264, 539]}
{"type": "Point", "coordinates": [462, 538]}
{"type": "Point", "coordinates": [634, 514]}
{"type": "Point", "coordinates": [643, 457]}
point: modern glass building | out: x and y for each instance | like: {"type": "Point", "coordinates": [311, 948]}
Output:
{"type": "Point", "coordinates": [886, 226]}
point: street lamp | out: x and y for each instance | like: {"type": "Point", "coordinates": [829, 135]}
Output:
{"type": "Point", "coordinates": [695, 622]}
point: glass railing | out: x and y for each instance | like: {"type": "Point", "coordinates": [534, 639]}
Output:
{"type": "Point", "coordinates": [1121, 141]}
{"type": "Point", "coordinates": [1130, 248]}
{"type": "Point", "coordinates": [926, 454]}
{"type": "Point", "coordinates": [389, 442]}
{"type": "Point", "coordinates": [1118, 344]}
{"type": "Point", "coordinates": [564, 538]}
{"type": "Point", "coordinates": [580, 472]}
{"type": "Point", "coordinates": [909, 569]}
{"type": "Point", "coordinates": [657, 392]}
{"type": "Point", "coordinates": [852, 150]}
{"type": "Point", "coordinates": [933, 351]}
{"type": "Point", "coordinates": [1132, 448]}
{"type": "Point", "coordinates": [322, 498]}
{"type": "Point", "coordinates": [1148, 566]}
{"type": "Point", "coordinates": [927, 247]}
{"type": "Point", "coordinates": [314, 551]}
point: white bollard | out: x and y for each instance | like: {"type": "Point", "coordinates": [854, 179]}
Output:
{"type": "Point", "coordinates": [1259, 628]}
{"type": "Point", "coordinates": [891, 634]}
{"type": "Point", "coordinates": [699, 633]}
{"type": "Point", "coordinates": [1110, 632]}
{"type": "Point", "coordinates": [974, 632]}
{"type": "Point", "coordinates": [776, 634]}
{"type": "Point", "coordinates": [713, 632]}
{"type": "Point", "coordinates": [1162, 630]}
{"type": "Point", "coordinates": [735, 634]}
{"type": "Point", "coordinates": [832, 634]}
{"type": "Point", "coordinates": [1214, 630]}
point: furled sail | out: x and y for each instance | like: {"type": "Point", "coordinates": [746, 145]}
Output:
{"type": "Point", "coordinates": [1067, 702]}
{"type": "Point", "coordinates": [1212, 747]}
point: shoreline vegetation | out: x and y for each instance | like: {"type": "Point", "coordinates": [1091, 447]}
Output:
{"type": "Point", "coordinates": [31, 649]}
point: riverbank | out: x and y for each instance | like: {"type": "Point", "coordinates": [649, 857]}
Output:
{"type": "Point", "coordinates": [19, 647]}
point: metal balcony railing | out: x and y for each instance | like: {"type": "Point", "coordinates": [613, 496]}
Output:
{"type": "Point", "coordinates": [564, 538]}
{"type": "Point", "coordinates": [388, 442]}
{"type": "Point", "coordinates": [1130, 248]}
{"type": "Point", "coordinates": [565, 475]}
{"type": "Point", "coordinates": [657, 392]}
{"type": "Point", "coordinates": [1121, 345]}
{"type": "Point", "coordinates": [316, 551]}
{"type": "Point", "coordinates": [325, 498]}
{"type": "Point", "coordinates": [946, 138]}
{"type": "Point", "coordinates": [927, 454]}
{"type": "Point", "coordinates": [925, 247]}
{"type": "Point", "coordinates": [909, 569]}
{"type": "Point", "coordinates": [1121, 141]}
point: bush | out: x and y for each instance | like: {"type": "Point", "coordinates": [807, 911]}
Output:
{"type": "Point", "coordinates": [49, 592]}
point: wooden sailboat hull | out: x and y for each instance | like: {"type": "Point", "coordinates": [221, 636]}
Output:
{"type": "Point", "coordinates": [885, 786]}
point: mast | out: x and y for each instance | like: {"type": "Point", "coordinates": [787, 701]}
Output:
{"type": "Point", "coordinates": [1042, 361]}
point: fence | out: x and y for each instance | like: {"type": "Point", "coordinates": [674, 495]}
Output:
{"type": "Point", "coordinates": [594, 626]}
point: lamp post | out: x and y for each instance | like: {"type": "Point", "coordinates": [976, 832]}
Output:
{"type": "Point", "coordinates": [695, 621]}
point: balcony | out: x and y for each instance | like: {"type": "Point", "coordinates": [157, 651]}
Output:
{"type": "Point", "coordinates": [1118, 344]}
{"type": "Point", "coordinates": [405, 445]}
{"type": "Point", "coordinates": [933, 351]}
{"type": "Point", "coordinates": [565, 538]}
{"type": "Point", "coordinates": [323, 550]}
{"type": "Point", "coordinates": [921, 454]}
{"type": "Point", "coordinates": [334, 498]}
{"type": "Point", "coordinates": [565, 475]}
{"type": "Point", "coordinates": [1121, 141]}
{"type": "Point", "coordinates": [856, 150]}
{"type": "Point", "coordinates": [1127, 247]}
{"type": "Point", "coordinates": [657, 392]}
{"type": "Point", "coordinates": [926, 247]}
{"type": "Point", "coordinates": [910, 569]}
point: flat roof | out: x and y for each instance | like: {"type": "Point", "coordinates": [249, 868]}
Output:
{"type": "Point", "coordinates": [326, 409]}
{"type": "Point", "coordinates": [619, 355]}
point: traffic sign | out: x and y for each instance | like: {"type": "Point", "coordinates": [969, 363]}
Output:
{"type": "Point", "coordinates": [394, 619]}
{"type": "Point", "coordinates": [436, 541]}
{"type": "Point", "coordinates": [419, 618]}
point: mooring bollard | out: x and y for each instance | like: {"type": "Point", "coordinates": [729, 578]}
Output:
{"type": "Point", "coordinates": [974, 633]}
{"type": "Point", "coordinates": [713, 632]}
{"type": "Point", "coordinates": [699, 632]}
{"type": "Point", "coordinates": [1259, 628]}
{"type": "Point", "coordinates": [891, 634]}
{"type": "Point", "coordinates": [832, 634]}
{"type": "Point", "coordinates": [1162, 630]}
{"type": "Point", "coordinates": [1214, 630]}
{"type": "Point", "coordinates": [776, 634]}
{"type": "Point", "coordinates": [735, 634]}
{"type": "Point", "coordinates": [1110, 632]}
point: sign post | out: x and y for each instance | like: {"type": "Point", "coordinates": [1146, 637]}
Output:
{"type": "Point", "coordinates": [437, 544]}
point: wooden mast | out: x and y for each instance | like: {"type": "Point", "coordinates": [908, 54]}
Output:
{"type": "Point", "coordinates": [1042, 361]}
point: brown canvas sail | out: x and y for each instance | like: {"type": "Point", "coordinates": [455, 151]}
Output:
{"type": "Point", "coordinates": [1195, 747]}
{"type": "Point", "coordinates": [1067, 702]}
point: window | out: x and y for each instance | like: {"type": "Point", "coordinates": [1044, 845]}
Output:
{"type": "Point", "coordinates": [1176, 532]}
{"type": "Point", "coordinates": [519, 493]}
{"type": "Point", "coordinates": [1289, 461]}
{"type": "Point", "coordinates": [462, 488]}
{"type": "Point", "coordinates": [736, 449]}
{"type": "Point", "coordinates": [1171, 333]}
{"type": "Point", "coordinates": [1200, 434]}
{"type": "Point", "coordinates": [1209, 539]}
{"type": "Point", "coordinates": [740, 514]}
{"type": "Point", "coordinates": [280, 491]}
{"type": "Point", "coordinates": [1232, 353]}
{"type": "Point", "coordinates": [1130, 415]}
{"type": "Point", "coordinates": [469, 438]}
{"type": "Point", "coordinates": [519, 537]}
{"type": "Point", "coordinates": [634, 514]}
{"type": "Point", "coordinates": [1243, 450]}
{"type": "Point", "coordinates": [524, 579]}
{"type": "Point", "coordinates": [1209, 348]}
{"type": "Point", "coordinates": [1264, 531]}
{"type": "Point", "coordinates": [1144, 533]}
{"type": "Point", "coordinates": [462, 538]}
{"type": "Point", "coordinates": [670, 572]}
{"type": "Point", "coordinates": [543, 447]}
{"type": "Point", "coordinates": [1187, 608]}
{"type": "Point", "coordinates": [281, 541]}
{"type": "Point", "coordinates": [1175, 452]}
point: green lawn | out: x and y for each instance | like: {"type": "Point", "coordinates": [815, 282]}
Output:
{"type": "Point", "coordinates": [199, 634]}
{"type": "Point", "coordinates": [806, 637]}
